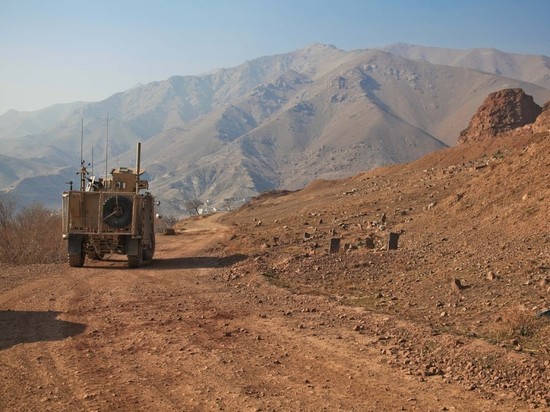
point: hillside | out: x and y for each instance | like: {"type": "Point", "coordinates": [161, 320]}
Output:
{"type": "Point", "coordinates": [273, 122]}
{"type": "Point", "coordinates": [288, 132]}
{"type": "Point", "coordinates": [471, 271]}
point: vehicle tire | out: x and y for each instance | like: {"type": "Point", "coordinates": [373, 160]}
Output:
{"type": "Point", "coordinates": [135, 261]}
{"type": "Point", "coordinates": [76, 260]}
{"type": "Point", "coordinates": [117, 211]}
{"type": "Point", "coordinates": [149, 252]}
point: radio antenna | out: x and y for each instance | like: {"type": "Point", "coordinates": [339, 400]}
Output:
{"type": "Point", "coordinates": [82, 167]}
{"type": "Point", "coordinates": [81, 140]}
{"type": "Point", "coordinates": [92, 160]}
{"type": "Point", "coordinates": [107, 149]}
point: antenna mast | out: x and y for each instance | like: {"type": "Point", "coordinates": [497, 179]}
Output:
{"type": "Point", "coordinates": [82, 168]}
{"type": "Point", "coordinates": [81, 140]}
{"type": "Point", "coordinates": [138, 163]}
{"type": "Point", "coordinates": [107, 149]}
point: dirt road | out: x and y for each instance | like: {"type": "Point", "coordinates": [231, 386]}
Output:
{"type": "Point", "coordinates": [197, 330]}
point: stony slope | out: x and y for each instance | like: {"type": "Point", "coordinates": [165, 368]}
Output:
{"type": "Point", "coordinates": [471, 272]}
{"type": "Point", "coordinates": [342, 123]}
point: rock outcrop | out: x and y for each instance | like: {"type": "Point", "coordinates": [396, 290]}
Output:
{"type": "Point", "coordinates": [543, 121]}
{"type": "Point", "coordinates": [501, 112]}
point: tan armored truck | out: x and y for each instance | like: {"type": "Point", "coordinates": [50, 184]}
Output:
{"type": "Point", "coordinates": [110, 216]}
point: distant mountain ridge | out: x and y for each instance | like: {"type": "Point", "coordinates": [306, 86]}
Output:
{"type": "Point", "coordinates": [273, 122]}
{"type": "Point", "coordinates": [527, 67]}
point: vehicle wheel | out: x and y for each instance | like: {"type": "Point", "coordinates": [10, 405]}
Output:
{"type": "Point", "coordinates": [149, 252]}
{"type": "Point", "coordinates": [76, 260]}
{"type": "Point", "coordinates": [135, 261]}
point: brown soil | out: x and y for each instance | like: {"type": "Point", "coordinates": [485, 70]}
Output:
{"type": "Point", "coordinates": [249, 311]}
{"type": "Point", "coordinates": [196, 330]}
{"type": "Point", "coordinates": [470, 275]}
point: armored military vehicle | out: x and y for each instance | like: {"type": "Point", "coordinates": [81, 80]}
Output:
{"type": "Point", "coordinates": [110, 216]}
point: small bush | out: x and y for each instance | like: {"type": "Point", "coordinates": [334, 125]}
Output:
{"type": "Point", "coordinates": [520, 325]}
{"type": "Point", "coordinates": [164, 223]}
{"type": "Point", "coordinates": [32, 235]}
{"type": "Point", "coordinates": [517, 323]}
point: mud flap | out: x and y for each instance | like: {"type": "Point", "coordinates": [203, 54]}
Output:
{"type": "Point", "coordinates": [132, 247]}
{"type": "Point", "coordinates": [75, 244]}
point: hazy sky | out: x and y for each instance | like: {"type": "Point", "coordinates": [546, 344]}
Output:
{"type": "Point", "coordinates": [60, 51]}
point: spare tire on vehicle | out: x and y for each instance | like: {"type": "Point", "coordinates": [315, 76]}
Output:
{"type": "Point", "coordinates": [117, 211]}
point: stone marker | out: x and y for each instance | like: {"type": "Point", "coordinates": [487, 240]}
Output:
{"type": "Point", "coordinates": [457, 285]}
{"type": "Point", "coordinates": [369, 243]}
{"type": "Point", "coordinates": [394, 239]}
{"type": "Point", "coordinates": [334, 245]}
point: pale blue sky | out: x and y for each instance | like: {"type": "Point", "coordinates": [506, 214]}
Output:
{"type": "Point", "coordinates": [60, 51]}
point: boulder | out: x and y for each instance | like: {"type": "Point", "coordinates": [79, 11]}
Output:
{"type": "Point", "coordinates": [501, 112]}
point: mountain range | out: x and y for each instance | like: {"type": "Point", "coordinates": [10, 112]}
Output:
{"type": "Point", "coordinates": [273, 122]}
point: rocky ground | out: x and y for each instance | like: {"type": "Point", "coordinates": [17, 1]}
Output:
{"type": "Point", "coordinates": [201, 329]}
{"type": "Point", "coordinates": [471, 272]}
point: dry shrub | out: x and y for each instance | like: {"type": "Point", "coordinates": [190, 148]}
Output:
{"type": "Point", "coordinates": [522, 325]}
{"type": "Point", "coordinates": [33, 235]}
{"type": "Point", "coordinates": [164, 223]}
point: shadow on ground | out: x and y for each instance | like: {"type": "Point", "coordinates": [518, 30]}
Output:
{"type": "Point", "coordinates": [196, 262]}
{"type": "Point", "coordinates": [26, 327]}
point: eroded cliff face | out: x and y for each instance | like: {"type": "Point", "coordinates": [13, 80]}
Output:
{"type": "Point", "coordinates": [502, 111]}
{"type": "Point", "coordinates": [542, 124]}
